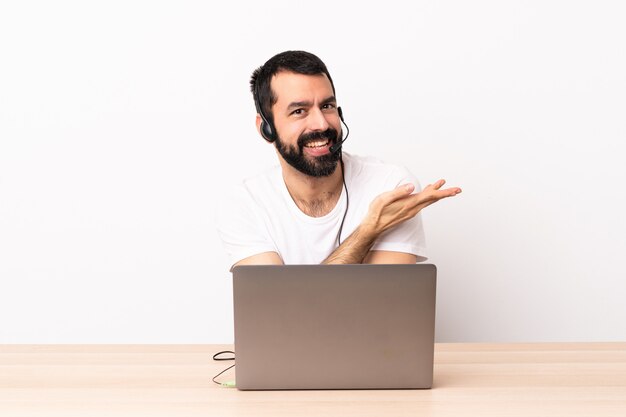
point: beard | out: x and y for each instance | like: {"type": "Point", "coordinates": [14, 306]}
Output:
{"type": "Point", "coordinates": [320, 166]}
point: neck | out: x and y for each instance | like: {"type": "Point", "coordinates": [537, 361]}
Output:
{"type": "Point", "coordinates": [315, 196]}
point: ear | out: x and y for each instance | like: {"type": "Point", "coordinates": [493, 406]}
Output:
{"type": "Point", "coordinates": [258, 123]}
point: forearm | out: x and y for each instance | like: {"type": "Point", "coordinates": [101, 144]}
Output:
{"type": "Point", "coordinates": [386, 211]}
{"type": "Point", "coordinates": [355, 248]}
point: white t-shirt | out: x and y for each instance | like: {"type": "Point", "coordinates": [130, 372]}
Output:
{"type": "Point", "coordinates": [260, 216]}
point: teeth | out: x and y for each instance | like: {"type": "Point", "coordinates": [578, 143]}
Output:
{"type": "Point", "coordinates": [317, 144]}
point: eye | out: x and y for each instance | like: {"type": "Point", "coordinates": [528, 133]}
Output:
{"type": "Point", "coordinates": [328, 106]}
{"type": "Point", "coordinates": [298, 111]}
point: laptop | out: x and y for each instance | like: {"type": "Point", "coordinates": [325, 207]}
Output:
{"type": "Point", "coordinates": [334, 326]}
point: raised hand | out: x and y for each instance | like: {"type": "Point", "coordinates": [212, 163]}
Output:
{"type": "Point", "coordinates": [396, 206]}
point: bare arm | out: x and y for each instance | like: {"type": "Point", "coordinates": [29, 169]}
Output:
{"type": "Point", "coordinates": [389, 257]}
{"type": "Point", "coordinates": [386, 211]}
{"type": "Point", "coordinates": [354, 249]}
{"type": "Point", "coordinates": [265, 258]}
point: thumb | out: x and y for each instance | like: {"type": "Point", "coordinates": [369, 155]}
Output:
{"type": "Point", "coordinates": [406, 189]}
{"type": "Point", "coordinates": [397, 193]}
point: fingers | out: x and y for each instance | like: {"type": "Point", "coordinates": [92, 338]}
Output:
{"type": "Point", "coordinates": [424, 201]}
{"type": "Point", "coordinates": [450, 192]}
{"type": "Point", "coordinates": [439, 184]}
{"type": "Point", "coordinates": [447, 192]}
{"type": "Point", "coordinates": [439, 194]}
{"type": "Point", "coordinates": [431, 193]}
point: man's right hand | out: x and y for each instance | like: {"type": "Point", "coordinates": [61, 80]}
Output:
{"type": "Point", "coordinates": [396, 206]}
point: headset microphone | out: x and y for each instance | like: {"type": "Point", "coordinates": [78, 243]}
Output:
{"type": "Point", "coordinates": [337, 146]}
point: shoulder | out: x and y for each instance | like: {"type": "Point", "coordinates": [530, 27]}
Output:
{"type": "Point", "coordinates": [256, 187]}
{"type": "Point", "coordinates": [252, 194]}
{"type": "Point", "coordinates": [268, 179]}
{"type": "Point", "coordinates": [371, 169]}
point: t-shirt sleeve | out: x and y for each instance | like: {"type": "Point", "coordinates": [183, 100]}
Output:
{"type": "Point", "coordinates": [240, 226]}
{"type": "Point", "coordinates": [407, 237]}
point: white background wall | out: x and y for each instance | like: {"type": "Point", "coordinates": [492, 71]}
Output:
{"type": "Point", "coordinates": [122, 123]}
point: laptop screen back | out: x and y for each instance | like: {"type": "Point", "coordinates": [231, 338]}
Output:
{"type": "Point", "coordinates": [334, 326]}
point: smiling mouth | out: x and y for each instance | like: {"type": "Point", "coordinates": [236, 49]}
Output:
{"type": "Point", "coordinates": [317, 143]}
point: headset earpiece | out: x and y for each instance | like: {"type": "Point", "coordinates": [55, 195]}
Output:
{"type": "Point", "coordinates": [267, 129]}
{"type": "Point", "coordinates": [340, 113]}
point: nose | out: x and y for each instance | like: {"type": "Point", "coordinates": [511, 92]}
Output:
{"type": "Point", "coordinates": [317, 120]}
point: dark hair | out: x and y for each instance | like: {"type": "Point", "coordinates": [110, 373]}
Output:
{"type": "Point", "coordinates": [300, 62]}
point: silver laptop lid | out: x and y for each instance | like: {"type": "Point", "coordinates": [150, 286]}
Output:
{"type": "Point", "coordinates": [334, 326]}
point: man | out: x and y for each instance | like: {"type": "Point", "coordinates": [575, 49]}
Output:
{"type": "Point", "coordinates": [320, 205]}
